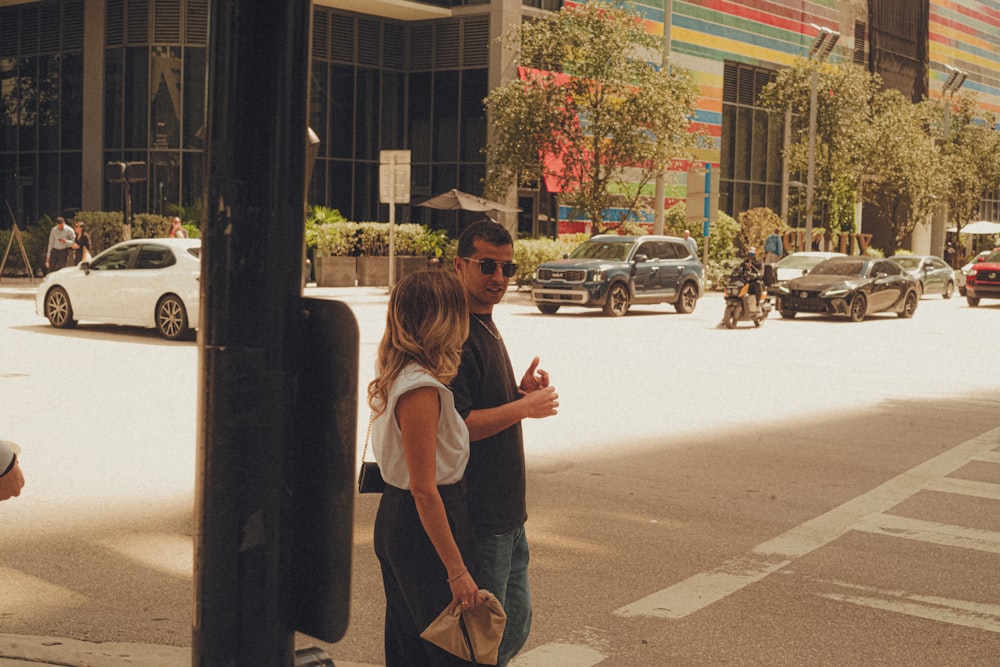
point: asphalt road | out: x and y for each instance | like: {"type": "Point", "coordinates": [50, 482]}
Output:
{"type": "Point", "coordinates": [810, 492]}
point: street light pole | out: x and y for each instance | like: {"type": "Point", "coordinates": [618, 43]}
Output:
{"type": "Point", "coordinates": [821, 47]}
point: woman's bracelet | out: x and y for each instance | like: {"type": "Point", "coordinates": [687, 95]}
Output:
{"type": "Point", "coordinates": [459, 575]}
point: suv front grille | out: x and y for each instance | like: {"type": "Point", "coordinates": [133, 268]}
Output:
{"type": "Point", "coordinates": [570, 275]}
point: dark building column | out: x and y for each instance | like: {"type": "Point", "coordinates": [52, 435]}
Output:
{"type": "Point", "coordinates": [92, 159]}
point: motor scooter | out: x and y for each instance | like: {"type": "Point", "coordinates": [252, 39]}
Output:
{"type": "Point", "coordinates": [741, 306]}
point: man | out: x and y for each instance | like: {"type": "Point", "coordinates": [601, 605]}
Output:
{"type": "Point", "coordinates": [690, 243]}
{"type": "Point", "coordinates": [492, 403]}
{"type": "Point", "coordinates": [61, 240]}
{"type": "Point", "coordinates": [773, 248]}
{"type": "Point", "coordinates": [751, 271]}
{"type": "Point", "coordinates": [11, 477]}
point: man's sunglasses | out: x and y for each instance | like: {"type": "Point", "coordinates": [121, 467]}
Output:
{"type": "Point", "coordinates": [489, 266]}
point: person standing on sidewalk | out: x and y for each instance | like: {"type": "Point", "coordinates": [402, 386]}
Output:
{"type": "Point", "coordinates": [61, 240]}
{"type": "Point", "coordinates": [424, 539]}
{"type": "Point", "coordinates": [493, 403]}
{"type": "Point", "coordinates": [691, 244]}
{"type": "Point", "coordinates": [773, 248]}
{"type": "Point", "coordinates": [82, 243]}
{"type": "Point", "coordinates": [11, 477]}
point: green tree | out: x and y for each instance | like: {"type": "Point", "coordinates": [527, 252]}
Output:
{"type": "Point", "coordinates": [970, 148]}
{"type": "Point", "coordinates": [843, 130]}
{"type": "Point", "coordinates": [903, 170]}
{"type": "Point", "coordinates": [594, 101]}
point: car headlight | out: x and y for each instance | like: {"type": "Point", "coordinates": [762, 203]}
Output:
{"type": "Point", "coordinates": [973, 271]}
{"type": "Point", "coordinates": [836, 291]}
{"type": "Point", "coordinates": [597, 275]}
{"type": "Point", "coordinates": [783, 289]}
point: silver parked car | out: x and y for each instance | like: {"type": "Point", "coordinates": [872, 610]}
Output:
{"type": "Point", "coordinates": [932, 273]}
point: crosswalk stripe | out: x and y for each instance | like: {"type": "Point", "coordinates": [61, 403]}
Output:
{"type": "Point", "coordinates": [701, 590]}
{"type": "Point", "coordinates": [931, 531]}
{"type": "Point", "coordinates": [558, 655]}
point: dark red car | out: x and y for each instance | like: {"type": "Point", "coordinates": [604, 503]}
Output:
{"type": "Point", "coordinates": [983, 281]}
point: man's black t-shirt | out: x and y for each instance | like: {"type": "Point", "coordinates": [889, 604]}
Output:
{"type": "Point", "coordinates": [495, 476]}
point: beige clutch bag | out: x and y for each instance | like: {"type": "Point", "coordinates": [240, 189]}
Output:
{"type": "Point", "coordinates": [479, 640]}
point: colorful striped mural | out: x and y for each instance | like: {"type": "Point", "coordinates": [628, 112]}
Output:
{"type": "Point", "coordinates": [704, 34]}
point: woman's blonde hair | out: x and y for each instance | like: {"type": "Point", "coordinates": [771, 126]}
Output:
{"type": "Point", "coordinates": [427, 322]}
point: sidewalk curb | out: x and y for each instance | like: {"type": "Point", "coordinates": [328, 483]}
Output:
{"type": "Point", "coordinates": [28, 651]}
{"type": "Point", "coordinates": [31, 650]}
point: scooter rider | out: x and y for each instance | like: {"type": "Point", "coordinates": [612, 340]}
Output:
{"type": "Point", "coordinates": [751, 271]}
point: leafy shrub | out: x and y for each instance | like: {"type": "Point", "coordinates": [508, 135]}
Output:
{"type": "Point", "coordinates": [333, 238]}
{"type": "Point", "coordinates": [721, 243]}
{"type": "Point", "coordinates": [529, 253]}
{"type": "Point", "coordinates": [372, 239]}
{"type": "Point", "coordinates": [756, 224]}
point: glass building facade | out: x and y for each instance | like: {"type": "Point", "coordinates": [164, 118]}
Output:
{"type": "Point", "coordinates": [377, 84]}
{"type": "Point", "coordinates": [85, 82]}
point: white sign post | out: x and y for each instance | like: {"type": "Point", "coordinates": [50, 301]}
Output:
{"type": "Point", "coordinates": [394, 188]}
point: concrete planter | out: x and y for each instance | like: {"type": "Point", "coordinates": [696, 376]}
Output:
{"type": "Point", "coordinates": [336, 271]}
{"type": "Point", "coordinates": [374, 271]}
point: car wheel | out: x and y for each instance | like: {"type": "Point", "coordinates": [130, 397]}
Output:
{"type": "Point", "coordinates": [548, 308]}
{"type": "Point", "coordinates": [731, 316]}
{"type": "Point", "coordinates": [909, 305]}
{"type": "Point", "coordinates": [949, 290]}
{"type": "Point", "coordinates": [618, 300]}
{"type": "Point", "coordinates": [58, 309]}
{"type": "Point", "coordinates": [859, 307]}
{"type": "Point", "coordinates": [171, 318]}
{"type": "Point", "coordinates": [687, 300]}
{"type": "Point", "coordinates": [787, 314]}
{"type": "Point", "coordinates": [972, 300]}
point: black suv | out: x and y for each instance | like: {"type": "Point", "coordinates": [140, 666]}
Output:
{"type": "Point", "coordinates": [613, 272]}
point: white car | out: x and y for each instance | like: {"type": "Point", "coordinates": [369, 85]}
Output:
{"type": "Point", "coordinates": [798, 263]}
{"type": "Point", "coordinates": [143, 282]}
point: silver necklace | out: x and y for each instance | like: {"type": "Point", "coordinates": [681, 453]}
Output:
{"type": "Point", "coordinates": [493, 333]}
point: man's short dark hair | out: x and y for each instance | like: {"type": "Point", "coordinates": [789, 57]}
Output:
{"type": "Point", "coordinates": [482, 230]}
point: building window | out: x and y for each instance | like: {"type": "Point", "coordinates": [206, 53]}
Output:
{"type": "Point", "coordinates": [751, 143]}
{"type": "Point", "coordinates": [155, 69]}
{"type": "Point", "coordinates": [41, 121]}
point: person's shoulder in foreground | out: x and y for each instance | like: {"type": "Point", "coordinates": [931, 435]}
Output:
{"type": "Point", "coordinates": [11, 478]}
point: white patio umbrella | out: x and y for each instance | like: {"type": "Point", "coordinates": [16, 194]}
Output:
{"type": "Point", "coordinates": [980, 227]}
{"type": "Point", "coordinates": [456, 199]}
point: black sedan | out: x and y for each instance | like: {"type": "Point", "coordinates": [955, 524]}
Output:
{"type": "Point", "coordinates": [851, 287]}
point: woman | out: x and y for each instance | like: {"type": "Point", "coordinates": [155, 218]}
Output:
{"type": "Point", "coordinates": [82, 243]}
{"type": "Point", "coordinates": [176, 230]}
{"type": "Point", "coordinates": [423, 536]}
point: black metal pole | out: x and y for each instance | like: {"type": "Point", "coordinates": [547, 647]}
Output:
{"type": "Point", "coordinates": [252, 231]}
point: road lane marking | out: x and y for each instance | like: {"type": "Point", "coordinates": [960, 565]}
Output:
{"type": "Point", "coordinates": [966, 487]}
{"type": "Point", "coordinates": [989, 457]}
{"type": "Point", "coordinates": [977, 615]}
{"type": "Point", "coordinates": [932, 532]}
{"type": "Point", "coordinates": [558, 655]}
{"type": "Point", "coordinates": [703, 589]}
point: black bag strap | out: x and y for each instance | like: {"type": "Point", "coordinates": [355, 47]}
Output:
{"type": "Point", "coordinates": [468, 639]}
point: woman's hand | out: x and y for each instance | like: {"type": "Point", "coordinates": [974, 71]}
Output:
{"type": "Point", "coordinates": [465, 594]}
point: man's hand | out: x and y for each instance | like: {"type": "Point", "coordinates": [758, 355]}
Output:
{"type": "Point", "coordinates": [11, 483]}
{"type": "Point", "coordinates": [534, 378]}
{"type": "Point", "coordinates": [539, 403]}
